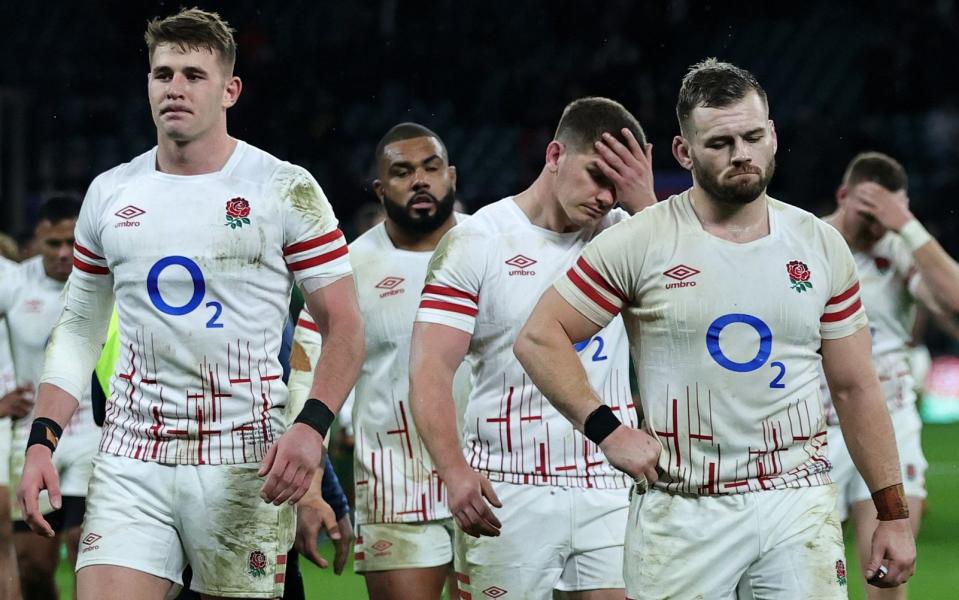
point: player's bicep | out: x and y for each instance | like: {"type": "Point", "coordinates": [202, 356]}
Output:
{"type": "Point", "coordinates": [847, 362]}
{"type": "Point", "coordinates": [437, 348]}
{"type": "Point", "coordinates": [553, 313]}
{"type": "Point", "coordinates": [335, 306]}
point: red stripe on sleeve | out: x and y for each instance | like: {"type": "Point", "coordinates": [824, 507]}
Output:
{"type": "Point", "coordinates": [839, 316]}
{"type": "Point", "coordinates": [442, 290]}
{"type": "Point", "coordinates": [591, 293]}
{"type": "Point", "coordinates": [86, 252]}
{"type": "Point", "coordinates": [598, 279]}
{"type": "Point", "coordinates": [307, 325]}
{"type": "Point", "coordinates": [319, 260]}
{"type": "Point", "coordinates": [88, 268]}
{"type": "Point", "coordinates": [844, 296]}
{"type": "Point", "coordinates": [312, 243]}
{"type": "Point", "coordinates": [449, 306]}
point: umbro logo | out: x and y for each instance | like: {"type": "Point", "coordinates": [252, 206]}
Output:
{"type": "Point", "coordinates": [681, 273]}
{"type": "Point", "coordinates": [90, 541]}
{"type": "Point", "coordinates": [381, 547]}
{"type": "Point", "coordinates": [390, 285]}
{"type": "Point", "coordinates": [494, 592]}
{"type": "Point", "coordinates": [522, 264]}
{"type": "Point", "coordinates": [128, 213]}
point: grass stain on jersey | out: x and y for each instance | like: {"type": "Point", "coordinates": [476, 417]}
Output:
{"type": "Point", "coordinates": [298, 187]}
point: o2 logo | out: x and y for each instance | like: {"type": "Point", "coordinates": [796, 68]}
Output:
{"type": "Point", "coordinates": [199, 290]}
{"type": "Point", "coordinates": [598, 353]}
{"type": "Point", "coordinates": [762, 354]}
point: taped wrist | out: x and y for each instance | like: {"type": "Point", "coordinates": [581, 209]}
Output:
{"type": "Point", "coordinates": [891, 503]}
{"type": "Point", "coordinates": [600, 423]}
{"type": "Point", "coordinates": [317, 415]}
{"type": "Point", "coordinates": [46, 432]}
{"type": "Point", "coordinates": [914, 234]}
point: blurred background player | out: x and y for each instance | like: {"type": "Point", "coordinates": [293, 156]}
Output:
{"type": "Point", "coordinates": [9, 581]}
{"type": "Point", "coordinates": [198, 240]}
{"type": "Point", "coordinates": [561, 512]}
{"type": "Point", "coordinates": [900, 265]}
{"type": "Point", "coordinates": [734, 434]}
{"type": "Point", "coordinates": [31, 302]}
{"type": "Point", "coordinates": [404, 542]}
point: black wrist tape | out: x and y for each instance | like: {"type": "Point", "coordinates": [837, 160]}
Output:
{"type": "Point", "coordinates": [600, 423]}
{"type": "Point", "coordinates": [45, 431]}
{"type": "Point", "coordinates": [317, 415]}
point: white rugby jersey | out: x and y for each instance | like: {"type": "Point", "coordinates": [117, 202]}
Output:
{"type": "Point", "coordinates": [394, 477]}
{"type": "Point", "coordinates": [31, 303]}
{"type": "Point", "coordinates": [725, 338]}
{"type": "Point", "coordinates": [201, 267]}
{"type": "Point", "coordinates": [888, 278]}
{"type": "Point", "coordinates": [7, 378]}
{"type": "Point", "coordinates": [485, 277]}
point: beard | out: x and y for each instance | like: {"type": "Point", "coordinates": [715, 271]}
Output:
{"type": "Point", "coordinates": [420, 220]}
{"type": "Point", "coordinates": [738, 191]}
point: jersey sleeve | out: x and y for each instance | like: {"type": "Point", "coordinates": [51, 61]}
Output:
{"type": "Point", "coordinates": [843, 313]}
{"type": "Point", "coordinates": [304, 355]}
{"type": "Point", "coordinates": [451, 295]}
{"type": "Point", "coordinates": [78, 336]}
{"type": "Point", "coordinates": [314, 248]}
{"type": "Point", "coordinates": [601, 282]}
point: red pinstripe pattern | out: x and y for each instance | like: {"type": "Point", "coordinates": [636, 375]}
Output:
{"type": "Point", "coordinates": [449, 306]}
{"type": "Point", "coordinates": [312, 243]}
{"type": "Point", "coordinates": [442, 290]}
{"type": "Point", "coordinates": [843, 296]}
{"type": "Point", "coordinates": [599, 280]}
{"type": "Point", "coordinates": [591, 293]}
{"type": "Point", "coordinates": [319, 260]}
{"type": "Point", "coordinates": [839, 316]}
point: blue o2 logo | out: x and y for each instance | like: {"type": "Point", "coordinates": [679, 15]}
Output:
{"type": "Point", "coordinates": [199, 289]}
{"type": "Point", "coordinates": [598, 351]}
{"type": "Point", "coordinates": [762, 353]}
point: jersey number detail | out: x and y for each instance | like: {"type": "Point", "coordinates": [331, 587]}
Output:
{"type": "Point", "coordinates": [598, 353]}
{"type": "Point", "coordinates": [199, 290]}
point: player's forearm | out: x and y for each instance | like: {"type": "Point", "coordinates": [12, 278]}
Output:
{"type": "Point", "coordinates": [868, 432]}
{"type": "Point", "coordinates": [54, 403]}
{"type": "Point", "coordinates": [434, 413]}
{"type": "Point", "coordinates": [940, 273]}
{"type": "Point", "coordinates": [547, 356]}
{"type": "Point", "coordinates": [341, 358]}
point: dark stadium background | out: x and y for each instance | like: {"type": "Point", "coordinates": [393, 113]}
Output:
{"type": "Point", "coordinates": [323, 80]}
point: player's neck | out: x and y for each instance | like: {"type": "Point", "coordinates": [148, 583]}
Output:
{"type": "Point", "coordinates": [542, 207]}
{"type": "Point", "coordinates": [203, 155]}
{"type": "Point", "coordinates": [414, 241]}
{"type": "Point", "coordinates": [740, 223]}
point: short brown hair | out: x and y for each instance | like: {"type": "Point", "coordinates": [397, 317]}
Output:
{"type": "Point", "coordinates": [714, 84]}
{"type": "Point", "coordinates": [878, 168]}
{"type": "Point", "coordinates": [194, 29]}
{"type": "Point", "coordinates": [584, 122]}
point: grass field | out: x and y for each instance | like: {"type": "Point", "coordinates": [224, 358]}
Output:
{"type": "Point", "coordinates": [937, 577]}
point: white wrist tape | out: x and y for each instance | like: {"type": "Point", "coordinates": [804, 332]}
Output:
{"type": "Point", "coordinates": [914, 234]}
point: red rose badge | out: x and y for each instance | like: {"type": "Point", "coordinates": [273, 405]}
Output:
{"type": "Point", "coordinates": [237, 212]}
{"type": "Point", "coordinates": [257, 567]}
{"type": "Point", "coordinates": [841, 572]}
{"type": "Point", "coordinates": [799, 275]}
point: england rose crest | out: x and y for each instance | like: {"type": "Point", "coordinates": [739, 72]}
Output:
{"type": "Point", "coordinates": [799, 275]}
{"type": "Point", "coordinates": [257, 567]}
{"type": "Point", "coordinates": [841, 572]}
{"type": "Point", "coordinates": [237, 213]}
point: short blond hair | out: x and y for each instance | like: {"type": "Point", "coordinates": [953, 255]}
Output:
{"type": "Point", "coordinates": [194, 29]}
